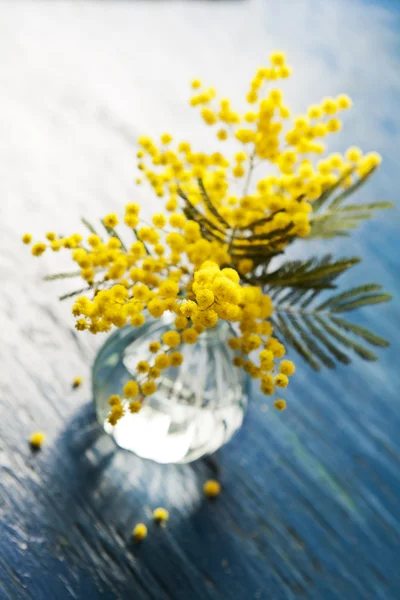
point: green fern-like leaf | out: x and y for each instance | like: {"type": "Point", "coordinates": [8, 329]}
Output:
{"type": "Point", "coordinates": [338, 299]}
{"type": "Point", "coordinates": [316, 331]}
{"type": "Point", "coordinates": [242, 241]}
{"type": "Point", "coordinates": [112, 233]}
{"type": "Point", "coordinates": [338, 219]}
{"type": "Point", "coordinates": [210, 206]}
{"type": "Point", "coordinates": [62, 276]}
{"type": "Point", "coordinates": [88, 226]}
{"type": "Point", "coordinates": [312, 274]}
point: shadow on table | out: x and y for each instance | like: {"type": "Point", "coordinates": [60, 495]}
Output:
{"type": "Point", "coordinates": [100, 469]}
{"type": "Point", "coordinates": [99, 492]}
{"type": "Point", "coordinates": [94, 493]}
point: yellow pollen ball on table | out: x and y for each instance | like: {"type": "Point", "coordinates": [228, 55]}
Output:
{"type": "Point", "coordinates": [27, 238]}
{"type": "Point", "coordinates": [212, 488]}
{"type": "Point", "coordinates": [139, 532]}
{"type": "Point", "coordinates": [76, 382]}
{"type": "Point", "coordinates": [36, 440]}
{"type": "Point", "coordinates": [160, 515]}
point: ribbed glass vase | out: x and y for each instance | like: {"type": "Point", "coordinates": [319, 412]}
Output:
{"type": "Point", "coordinates": [197, 407]}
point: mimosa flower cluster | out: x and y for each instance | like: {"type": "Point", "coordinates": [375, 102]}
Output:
{"type": "Point", "coordinates": [225, 213]}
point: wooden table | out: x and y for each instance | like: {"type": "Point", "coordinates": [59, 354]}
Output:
{"type": "Point", "coordinates": [310, 503]}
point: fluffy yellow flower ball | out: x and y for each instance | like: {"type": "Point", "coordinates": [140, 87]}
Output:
{"type": "Point", "coordinates": [171, 339]}
{"type": "Point", "coordinates": [160, 515]}
{"type": "Point", "coordinates": [111, 220]}
{"type": "Point", "coordinates": [36, 440]}
{"type": "Point", "coordinates": [287, 367]}
{"type": "Point", "coordinates": [131, 389]}
{"type": "Point", "coordinates": [212, 488]}
{"type": "Point", "coordinates": [139, 532]}
{"type": "Point", "coordinates": [280, 404]}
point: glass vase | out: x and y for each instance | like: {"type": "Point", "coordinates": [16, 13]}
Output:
{"type": "Point", "coordinates": [197, 407]}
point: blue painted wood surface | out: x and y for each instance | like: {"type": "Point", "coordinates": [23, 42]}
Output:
{"type": "Point", "coordinates": [310, 504]}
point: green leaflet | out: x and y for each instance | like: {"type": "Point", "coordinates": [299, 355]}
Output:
{"type": "Point", "coordinates": [88, 226]}
{"type": "Point", "coordinates": [62, 276]}
{"type": "Point", "coordinates": [75, 293]}
{"type": "Point", "coordinates": [337, 220]}
{"type": "Point", "coordinates": [314, 330]}
{"type": "Point", "coordinates": [285, 333]}
{"type": "Point", "coordinates": [309, 341]}
{"type": "Point", "coordinates": [363, 352]}
{"type": "Point", "coordinates": [370, 337]}
{"type": "Point", "coordinates": [210, 205]}
{"type": "Point", "coordinates": [362, 301]}
{"type": "Point", "coordinates": [112, 233]}
{"type": "Point", "coordinates": [313, 273]}
{"type": "Point", "coordinates": [356, 291]}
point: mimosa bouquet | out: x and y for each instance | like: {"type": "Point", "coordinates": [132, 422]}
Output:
{"type": "Point", "coordinates": [212, 253]}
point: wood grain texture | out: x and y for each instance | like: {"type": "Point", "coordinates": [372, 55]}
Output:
{"type": "Point", "coordinates": [310, 503]}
